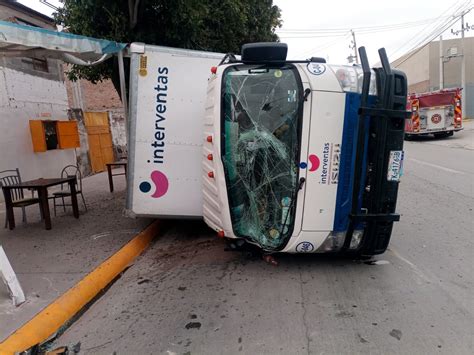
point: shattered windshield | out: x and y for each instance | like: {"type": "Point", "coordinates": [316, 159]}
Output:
{"type": "Point", "coordinates": [261, 120]}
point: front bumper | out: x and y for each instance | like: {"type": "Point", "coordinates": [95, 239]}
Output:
{"type": "Point", "coordinates": [425, 131]}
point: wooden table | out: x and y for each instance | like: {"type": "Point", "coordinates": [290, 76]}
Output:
{"type": "Point", "coordinates": [41, 186]}
{"type": "Point", "coordinates": [109, 171]}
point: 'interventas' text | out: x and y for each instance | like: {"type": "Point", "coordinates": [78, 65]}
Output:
{"type": "Point", "coordinates": [161, 89]}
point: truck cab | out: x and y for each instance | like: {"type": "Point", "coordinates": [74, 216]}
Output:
{"type": "Point", "coordinates": [281, 148]}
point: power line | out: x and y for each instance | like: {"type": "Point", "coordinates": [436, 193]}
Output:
{"type": "Point", "coordinates": [358, 29]}
{"type": "Point", "coordinates": [360, 32]}
{"type": "Point", "coordinates": [316, 36]}
{"type": "Point", "coordinates": [321, 47]}
{"type": "Point", "coordinates": [434, 35]}
{"type": "Point", "coordinates": [438, 30]}
{"type": "Point", "coordinates": [437, 23]}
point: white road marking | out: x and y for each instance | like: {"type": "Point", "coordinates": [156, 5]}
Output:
{"type": "Point", "coordinates": [106, 234]}
{"type": "Point", "coordinates": [436, 166]}
{"type": "Point", "coordinates": [100, 235]}
{"type": "Point", "coordinates": [414, 268]}
{"type": "Point", "coordinates": [381, 262]}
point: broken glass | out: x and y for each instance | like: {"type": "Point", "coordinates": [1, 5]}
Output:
{"type": "Point", "coordinates": [261, 140]}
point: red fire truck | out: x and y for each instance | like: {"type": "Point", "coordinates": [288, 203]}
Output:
{"type": "Point", "coordinates": [436, 112]}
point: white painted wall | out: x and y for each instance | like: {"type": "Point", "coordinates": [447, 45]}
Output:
{"type": "Point", "coordinates": [24, 97]}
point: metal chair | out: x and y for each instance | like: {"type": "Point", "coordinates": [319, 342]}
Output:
{"type": "Point", "coordinates": [11, 177]}
{"type": "Point", "coordinates": [68, 171]}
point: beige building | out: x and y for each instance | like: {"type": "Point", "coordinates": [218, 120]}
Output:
{"type": "Point", "coordinates": [422, 67]}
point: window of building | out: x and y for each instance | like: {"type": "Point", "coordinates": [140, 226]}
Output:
{"type": "Point", "coordinates": [51, 135]}
{"type": "Point", "coordinates": [24, 22]}
{"type": "Point", "coordinates": [37, 64]}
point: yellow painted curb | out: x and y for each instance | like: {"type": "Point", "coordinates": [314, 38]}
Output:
{"type": "Point", "coordinates": [55, 315]}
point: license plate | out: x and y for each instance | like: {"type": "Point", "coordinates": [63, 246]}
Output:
{"type": "Point", "coordinates": [395, 165]}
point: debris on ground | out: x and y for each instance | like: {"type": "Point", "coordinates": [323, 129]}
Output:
{"type": "Point", "coordinates": [269, 259]}
{"type": "Point", "coordinates": [251, 251]}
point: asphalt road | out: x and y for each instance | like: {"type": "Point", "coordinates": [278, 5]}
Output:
{"type": "Point", "coordinates": [186, 295]}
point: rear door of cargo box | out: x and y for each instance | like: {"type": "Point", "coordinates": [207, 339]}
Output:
{"type": "Point", "coordinates": [166, 116]}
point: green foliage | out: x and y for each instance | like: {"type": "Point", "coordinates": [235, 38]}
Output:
{"type": "Point", "coordinates": [211, 25]}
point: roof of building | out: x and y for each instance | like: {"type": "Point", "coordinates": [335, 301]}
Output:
{"type": "Point", "coordinates": [23, 40]}
{"type": "Point", "coordinates": [25, 9]}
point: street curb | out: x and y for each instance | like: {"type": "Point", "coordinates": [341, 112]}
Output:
{"type": "Point", "coordinates": [50, 319]}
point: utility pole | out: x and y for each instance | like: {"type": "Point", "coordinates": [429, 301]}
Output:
{"type": "Point", "coordinates": [354, 46]}
{"type": "Point", "coordinates": [441, 63]}
{"type": "Point", "coordinates": [463, 63]}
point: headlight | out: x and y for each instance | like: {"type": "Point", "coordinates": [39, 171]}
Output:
{"type": "Point", "coordinates": [333, 242]}
{"type": "Point", "coordinates": [356, 238]}
{"type": "Point", "coordinates": [350, 78]}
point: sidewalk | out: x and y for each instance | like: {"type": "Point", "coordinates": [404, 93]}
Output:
{"type": "Point", "coordinates": [48, 263]}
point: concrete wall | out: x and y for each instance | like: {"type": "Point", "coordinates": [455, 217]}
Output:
{"type": "Point", "coordinates": [452, 69]}
{"type": "Point", "coordinates": [100, 97]}
{"type": "Point", "coordinates": [28, 92]}
{"type": "Point", "coordinates": [54, 71]}
{"type": "Point", "coordinates": [422, 69]}
{"type": "Point", "coordinates": [423, 86]}
{"type": "Point", "coordinates": [416, 67]}
{"type": "Point", "coordinates": [468, 96]}
{"type": "Point", "coordinates": [24, 97]}
{"type": "Point", "coordinates": [118, 130]}
{"type": "Point", "coordinates": [82, 153]}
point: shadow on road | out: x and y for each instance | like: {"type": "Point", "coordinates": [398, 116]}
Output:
{"type": "Point", "coordinates": [193, 241]}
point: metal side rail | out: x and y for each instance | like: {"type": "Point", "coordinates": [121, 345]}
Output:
{"type": "Point", "coordinates": [383, 113]}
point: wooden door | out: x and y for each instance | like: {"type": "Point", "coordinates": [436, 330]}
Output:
{"type": "Point", "coordinates": [100, 140]}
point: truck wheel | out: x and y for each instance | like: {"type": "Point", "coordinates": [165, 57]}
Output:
{"type": "Point", "coordinates": [356, 255]}
{"type": "Point", "coordinates": [362, 257]}
{"type": "Point", "coordinates": [443, 135]}
{"type": "Point", "coordinates": [408, 137]}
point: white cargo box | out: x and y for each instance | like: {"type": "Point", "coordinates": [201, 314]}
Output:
{"type": "Point", "coordinates": [167, 101]}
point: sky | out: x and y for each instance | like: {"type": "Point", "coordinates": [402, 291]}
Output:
{"type": "Point", "coordinates": [412, 22]}
{"type": "Point", "coordinates": [315, 28]}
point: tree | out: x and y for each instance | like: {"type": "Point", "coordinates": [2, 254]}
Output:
{"type": "Point", "coordinates": [211, 25]}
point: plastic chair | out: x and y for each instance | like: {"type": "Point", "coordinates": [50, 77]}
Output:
{"type": "Point", "coordinates": [68, 171]}
{"type": "Point", "coordinates": [11, 177]}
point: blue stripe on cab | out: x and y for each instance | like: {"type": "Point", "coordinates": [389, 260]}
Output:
{"type": "Point", "coordinates": [347, 162]}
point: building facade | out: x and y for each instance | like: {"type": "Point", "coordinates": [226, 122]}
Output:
{"type": "Point", "coordinates": [30, 89]}
{"type": "Point", "coordinates": [97, 100]}
{"type": "Point", "coordinates": [422, 67]}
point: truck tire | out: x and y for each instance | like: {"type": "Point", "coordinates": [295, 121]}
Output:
{"type": "Point", "coordinates": [356, 255]}
{"type": "Point", "coordinates": [443, 134]}
{"type": "Point", "coordinates": [408, 137]}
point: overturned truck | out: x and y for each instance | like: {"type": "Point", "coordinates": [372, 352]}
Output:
{"type": "Point", "coordinates": [292, 156]}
